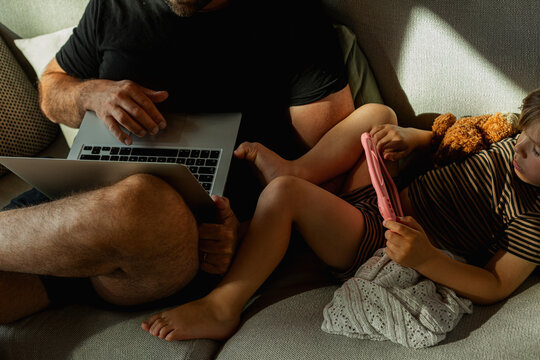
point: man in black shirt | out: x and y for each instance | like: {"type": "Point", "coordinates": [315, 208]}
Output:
{"type": "Point", "coordinates": [130, 61]}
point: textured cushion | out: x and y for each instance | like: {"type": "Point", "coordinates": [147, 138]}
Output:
{"type": "Point", "coordinates": [291, 329]}
{"type": "Point", "coordinates": [9, 38]}
{"type": "Point", "coordinates": [31, 18]}
{"type": "Point", "coordinates": [24, 130]}
{"type": "Point", "coordinates": [437, 56]}
{"type": "Point", "coordinates": [84, 332]}
{"type": "Point", "coordinates": [39, 51]}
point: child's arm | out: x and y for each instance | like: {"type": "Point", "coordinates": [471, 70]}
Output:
{"type": "Point", "coordinates": [396, 142]}
{"type": "Point", "coordinates": [408, 245]}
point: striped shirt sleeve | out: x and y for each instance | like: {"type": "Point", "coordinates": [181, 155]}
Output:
{"type": "Point", "coordinates": [522, 238]}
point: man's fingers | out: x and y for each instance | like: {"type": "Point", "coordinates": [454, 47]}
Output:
{"type": "Point", "coordinates": [123, 118]}
{"type": "Point", "coordinates": [217, 233]}
{"type": "Point", "coordinates": [224, 212]}
{"type": "Point", "coordinates": [212, 269]}
{"type": "Point", "coordinates": [216, 247]}
{"type": "Point", "coordinates": [147, 99]}
{"type": "Point", "coordinates": [139, 113]}
{"type": "Point", "coordinates": [156, 96]}
{"type": "Point", "coordinates": [114, 128]}
{"type": "Point", "coordinates": [210, 231]}
{"type": "Point", "coordinates": [214, 263]}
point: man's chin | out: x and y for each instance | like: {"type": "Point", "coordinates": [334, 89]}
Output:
{"type": "Point", "coordinates": [186, 8]}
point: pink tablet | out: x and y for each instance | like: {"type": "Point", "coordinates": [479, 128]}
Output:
{"type": "Point", "coordinates": [387, 194]}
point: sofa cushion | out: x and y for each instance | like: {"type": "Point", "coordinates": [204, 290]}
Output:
{"type": "Point", "coordinates": [291, 329]}
{"type": "Point", "coordinates": [85, 332]}
{"type": "Point", "coordinates": [437, 56]}
{"type": "Point", "coordinates": [40, 50]}
{"type": "Point", "coordinates": [361, 80]}
{"type": "Point", "coordinates": [9, 39]}
{"type": "Point", "coordinates": [24, 130]}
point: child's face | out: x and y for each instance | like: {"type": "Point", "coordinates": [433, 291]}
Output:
{"type": "Point", "coordinates": [527, 157]}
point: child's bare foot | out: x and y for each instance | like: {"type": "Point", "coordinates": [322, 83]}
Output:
{"type": "Point", "coordinates": [269, 164]}
{"type": "Point", "coordinates": [200, 319]}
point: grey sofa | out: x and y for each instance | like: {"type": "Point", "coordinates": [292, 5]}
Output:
{"type": "Point", "coordinates": [428, 57]}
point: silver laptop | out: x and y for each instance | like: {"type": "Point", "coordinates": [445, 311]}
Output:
{"type": "Point", "coordinates": [192, 154]}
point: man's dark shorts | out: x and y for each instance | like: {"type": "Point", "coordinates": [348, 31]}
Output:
{"type": "Point", "coordinates": [65, 291]}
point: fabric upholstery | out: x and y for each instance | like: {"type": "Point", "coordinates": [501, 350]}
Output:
{"type": "Point", "coordinates": [24, 130]}
{"type": "Point", "coordinates": [291, 330]}
{"type": "Point", "coordinates": [82, 332]}
{"type": "Point", "coordinates": [473, 57]}
{"type": "Point", "coordinates": [32, 18]}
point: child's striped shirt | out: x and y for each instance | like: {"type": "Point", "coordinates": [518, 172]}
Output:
{"type": "Point", "coordinates": [475, 207]}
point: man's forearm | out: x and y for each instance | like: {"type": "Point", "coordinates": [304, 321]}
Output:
{"type": "Point", "coordinates": [61, 98]}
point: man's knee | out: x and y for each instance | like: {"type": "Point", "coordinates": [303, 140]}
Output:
{"type": "Point", "coordinates": [143, 188]}
{"type": "Point", "coordinates": [146, 201]}
{"type": "Point", "coordinates": [157, 251]}
{"type": "Point", "coordinates": [149, 217]}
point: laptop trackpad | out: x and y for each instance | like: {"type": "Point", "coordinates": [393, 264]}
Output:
{"type": "Point", "coordinates": [169, 136]}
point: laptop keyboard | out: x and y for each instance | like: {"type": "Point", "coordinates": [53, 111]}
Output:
{"type": "Point", "coordinates": [201, 162]}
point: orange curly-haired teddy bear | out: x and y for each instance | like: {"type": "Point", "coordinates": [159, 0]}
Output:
{"type": "Point", "coordinates": [458, 139]}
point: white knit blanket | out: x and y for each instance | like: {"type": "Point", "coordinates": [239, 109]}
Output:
{"type": "Point", "coordinates": [386, 301]}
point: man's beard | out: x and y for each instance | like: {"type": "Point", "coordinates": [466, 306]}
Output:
{"type": "Point", "coordinates": [186, 8]}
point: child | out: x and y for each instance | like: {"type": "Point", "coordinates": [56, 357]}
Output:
{"type": "Point", "coordinates": [486, 208]}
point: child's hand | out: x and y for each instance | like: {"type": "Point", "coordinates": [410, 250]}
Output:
{"type": "Point", "coordinates": [407, 243]}
{"type": "Point", "coordinates": [394, 142]}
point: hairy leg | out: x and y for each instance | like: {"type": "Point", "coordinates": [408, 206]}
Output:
{"type": "Point", "coordinates": [136, 240]}
{"type": "Point", "coordinates": [332, 227]}
{"type": "Point", "coordinates": [336, 153]}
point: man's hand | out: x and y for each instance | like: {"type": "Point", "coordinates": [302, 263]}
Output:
{"type": "Point", "coordinates": [407, 243]}
{"type": "Point", "coordinates": [125, 103]}
{"type": "Point", "coordinates": [218, 242]}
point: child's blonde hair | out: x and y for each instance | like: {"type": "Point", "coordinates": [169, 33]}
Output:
{"type": "Point", "coordinates": [530, 110]}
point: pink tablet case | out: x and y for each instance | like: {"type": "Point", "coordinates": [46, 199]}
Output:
{"type": "Point", "coordinates": [387, 194]}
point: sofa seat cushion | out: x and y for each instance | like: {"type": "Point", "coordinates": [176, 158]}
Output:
{"type": "Point", "coordinates": [24, 130]}
{"type": "Point", "coordinates": [291, 329]}
{"type": "Point", "coordinates": [85, 332]}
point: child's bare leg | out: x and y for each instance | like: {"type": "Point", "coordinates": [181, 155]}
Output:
{"type": "Point", "coordinates": [333, 230]}
{"type": "Point", "coordinates": [336, 153]}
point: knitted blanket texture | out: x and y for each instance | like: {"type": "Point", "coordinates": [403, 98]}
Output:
{"type": "Point", "coordinates": [386, 301]}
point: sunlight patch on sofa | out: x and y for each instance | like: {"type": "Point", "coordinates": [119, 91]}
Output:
{"type": "Point", "coordinates": [472, 82]}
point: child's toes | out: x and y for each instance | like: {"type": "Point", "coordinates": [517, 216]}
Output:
{"type": "Point", "coordinates": [146, 325]}
{"type": "Point", "coordinates": [165, 331]}
{"type": "Point", "coordinates": [157, 326]}
{"type": "Point", "coordinates": [173, 335]}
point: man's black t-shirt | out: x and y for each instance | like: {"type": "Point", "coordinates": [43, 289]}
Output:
{"type": "Point", "coordinates": [252, 56]}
